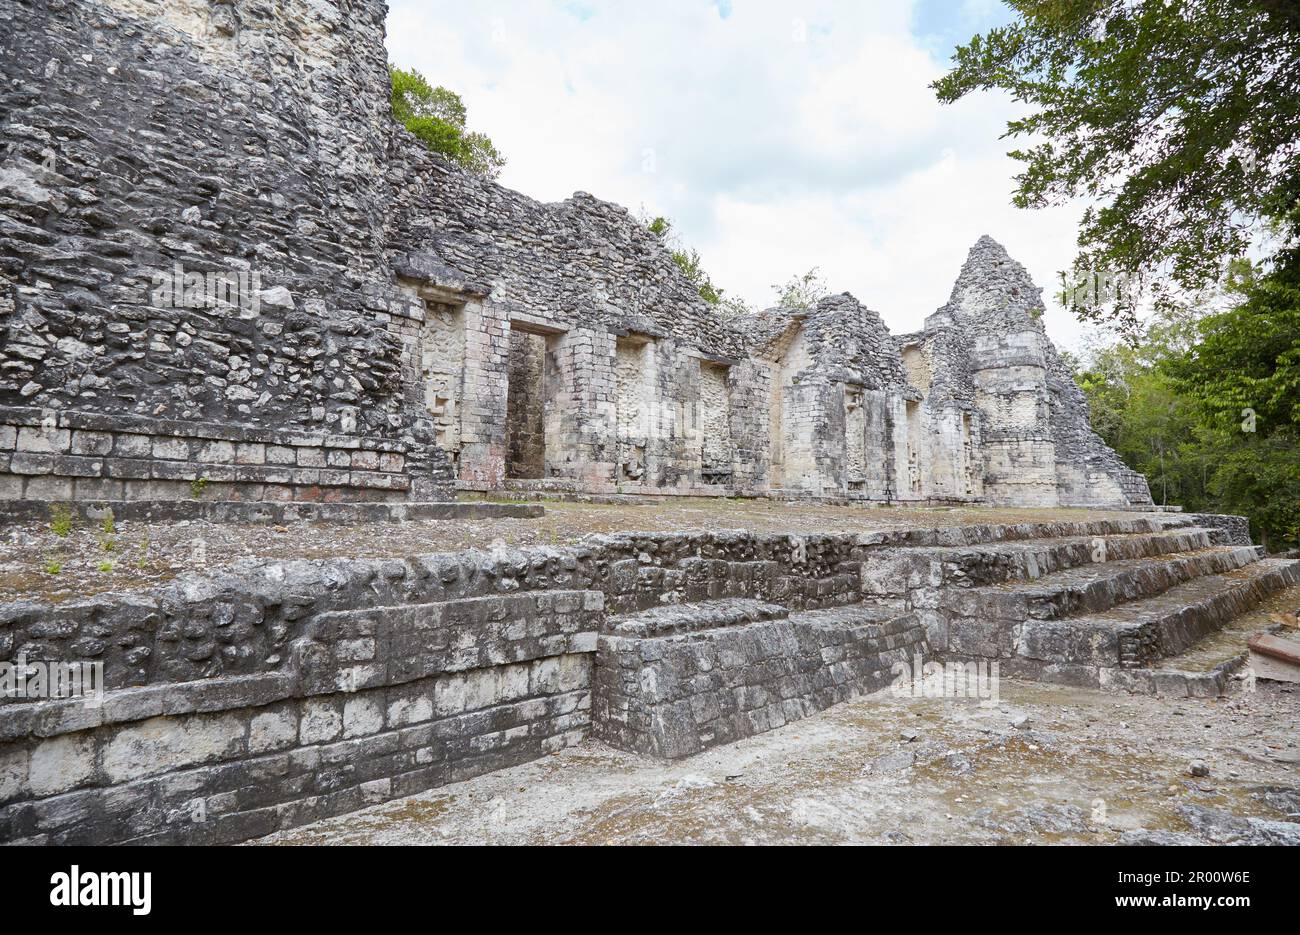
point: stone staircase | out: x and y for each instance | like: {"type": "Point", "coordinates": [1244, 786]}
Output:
{"type": "Point", "coordinates": [738, 647]}
{"type": "Point", "coordinates": [1106, 611]}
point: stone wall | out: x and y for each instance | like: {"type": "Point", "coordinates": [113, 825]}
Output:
{"type": "Point", "coordinates": [279, 693]}
{"type": "Point", "coordinates": [194, 253]}
{"type": "Point", "coordinates": [672, 693]}
{"type": "Point", "coordinates": [53, 456]}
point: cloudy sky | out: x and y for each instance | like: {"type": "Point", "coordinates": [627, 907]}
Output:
{"type": "Point", "coordinates": [777, 136]}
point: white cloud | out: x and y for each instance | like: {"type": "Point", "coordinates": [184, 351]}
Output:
{"type": "Point", "coordinates": [778, 137]}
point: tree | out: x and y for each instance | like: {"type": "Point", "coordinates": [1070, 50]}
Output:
{"type": "Point", "coordinates": [1207, 404]}
{"type": "Point", "coordinates": [1140, 413]}
{"type": "Point", "coordinates": [436, 117]}
{"type": "Point", "coordinates": [1245, 365]}
{"type": "Point", "coordinates": [801, 291]}
{"type": "Point", "coordinates": [1243, 375]}
{"type": "Point", "coordinates": [1179, 120]}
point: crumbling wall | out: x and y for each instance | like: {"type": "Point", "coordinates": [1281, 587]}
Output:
{"type": "Point", "coordinates": [196, 257]}
{"type": "Point", "coordinates": [1001, 390]}
{"type": "Point", "coordinates": [836, 375]}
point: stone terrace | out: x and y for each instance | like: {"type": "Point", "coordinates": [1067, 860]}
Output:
{"type": "Point", "coordinates": [145, 554]}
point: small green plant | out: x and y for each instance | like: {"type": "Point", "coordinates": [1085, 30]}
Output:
{"type": "Point", "coordinates": [801, 291]}
{"type": "Point", "coordinates": [107, 527]}
{"type": "Point", "coordinates": [52, 567]}
{"type": "Point", "coordinates": [61, 519]}
{"type": "Point", "coordinates": [197, 486]}
{"type": "Point", "coordinates": [105, 566]}
{"type": "Point", "coordinates": [437, 118]}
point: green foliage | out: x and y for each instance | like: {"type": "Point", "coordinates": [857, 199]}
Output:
{"type": "Point", "coordinates": [801, 291]}
{"type": "Point", "coordinates": [61, 519]}
{"type": "Point", "coordinates": [1179, 121]}
{"type": "Point", "coordinates": [105, 566]}
{"type": "Point", "coordinates": [108, 525]}
{"type": "Point", "coordinates": [661, 227]}
{"type": "Point", "coordinates": [1243, 376]}
{"type": "Point", "coordinates": [436, 116]}
{"type": "Point", "coordinates": [197, 486]}
{"type": "Point", "coordinates": [1247, 359]}
{"type": "Point", "coordinates": [1207, 406]}
{"type": "Point", "coordinates": [1137, 411]}
{"type": "Point", "coordinates": [688, 261]}
{"type": "Point", "coordinates": [53, 567]}
{"type": "Point", "coordinates": [1260, 478]}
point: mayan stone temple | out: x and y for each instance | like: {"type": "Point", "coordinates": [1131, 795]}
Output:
{"type": "Point", "coordinates": [235, 294]}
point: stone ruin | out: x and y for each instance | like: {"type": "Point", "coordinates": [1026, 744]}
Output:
{"type": "Point", "coordinates": [226, 273]}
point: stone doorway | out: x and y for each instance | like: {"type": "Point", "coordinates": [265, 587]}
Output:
{"type": "Point", "coordinates": [717, 453]}
{"type": "Point", "coordinates": [787, 453]}
{"type": "Point", "coordinates": [530, 388]}
{"type": "Point", "coordinates": [636, 412]}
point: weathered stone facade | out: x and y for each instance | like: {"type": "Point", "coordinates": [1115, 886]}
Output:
{"type": "Point", "coordinates": [224, 268]}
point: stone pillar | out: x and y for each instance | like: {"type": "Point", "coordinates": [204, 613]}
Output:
{"type": "Point", "coordinates": [483, 413]}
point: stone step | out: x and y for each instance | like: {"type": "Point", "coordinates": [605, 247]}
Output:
{"type": "Point", "coordinates": [984, 533]}
{"type": "Point", "coordinates": [879, 619]}
{"type": "Point", "coordinates": [675, 619]}
{"type": "Point", "coordinates": [670, 690]}
{"type": "Point", "coordinates": [1228, 644]}
{"type": "Point", "coordinates": [1094, 587]}
{"type": "Point", "coordinates": [678, 619]}
{"type": "Point", "coordinates": [1012, 560]}
{"type": "Point", "coordinates": [1140, 633]}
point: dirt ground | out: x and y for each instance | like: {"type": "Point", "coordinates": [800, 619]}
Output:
{"type": "Point", "coordinates": [36, 561]}
{"type": "Point", "coordinates": [1042, 765]}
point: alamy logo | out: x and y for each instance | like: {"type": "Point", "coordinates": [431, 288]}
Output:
{"type": "Point", "coordinates": [976, 680]}
{"type": "Point", "coordinates": [178, 288]}
{"type": "Point", "coordinates": [1100, 287]}
{"type": "Point", "coordinates": [76, 888]}
{"type": "Point", "coordinates": [52, 680]}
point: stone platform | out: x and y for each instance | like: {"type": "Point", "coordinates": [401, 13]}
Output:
{"type": "Point", "coordinates": [282, 692]}
{"type": "Point", "coordinates": [239, 511]}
